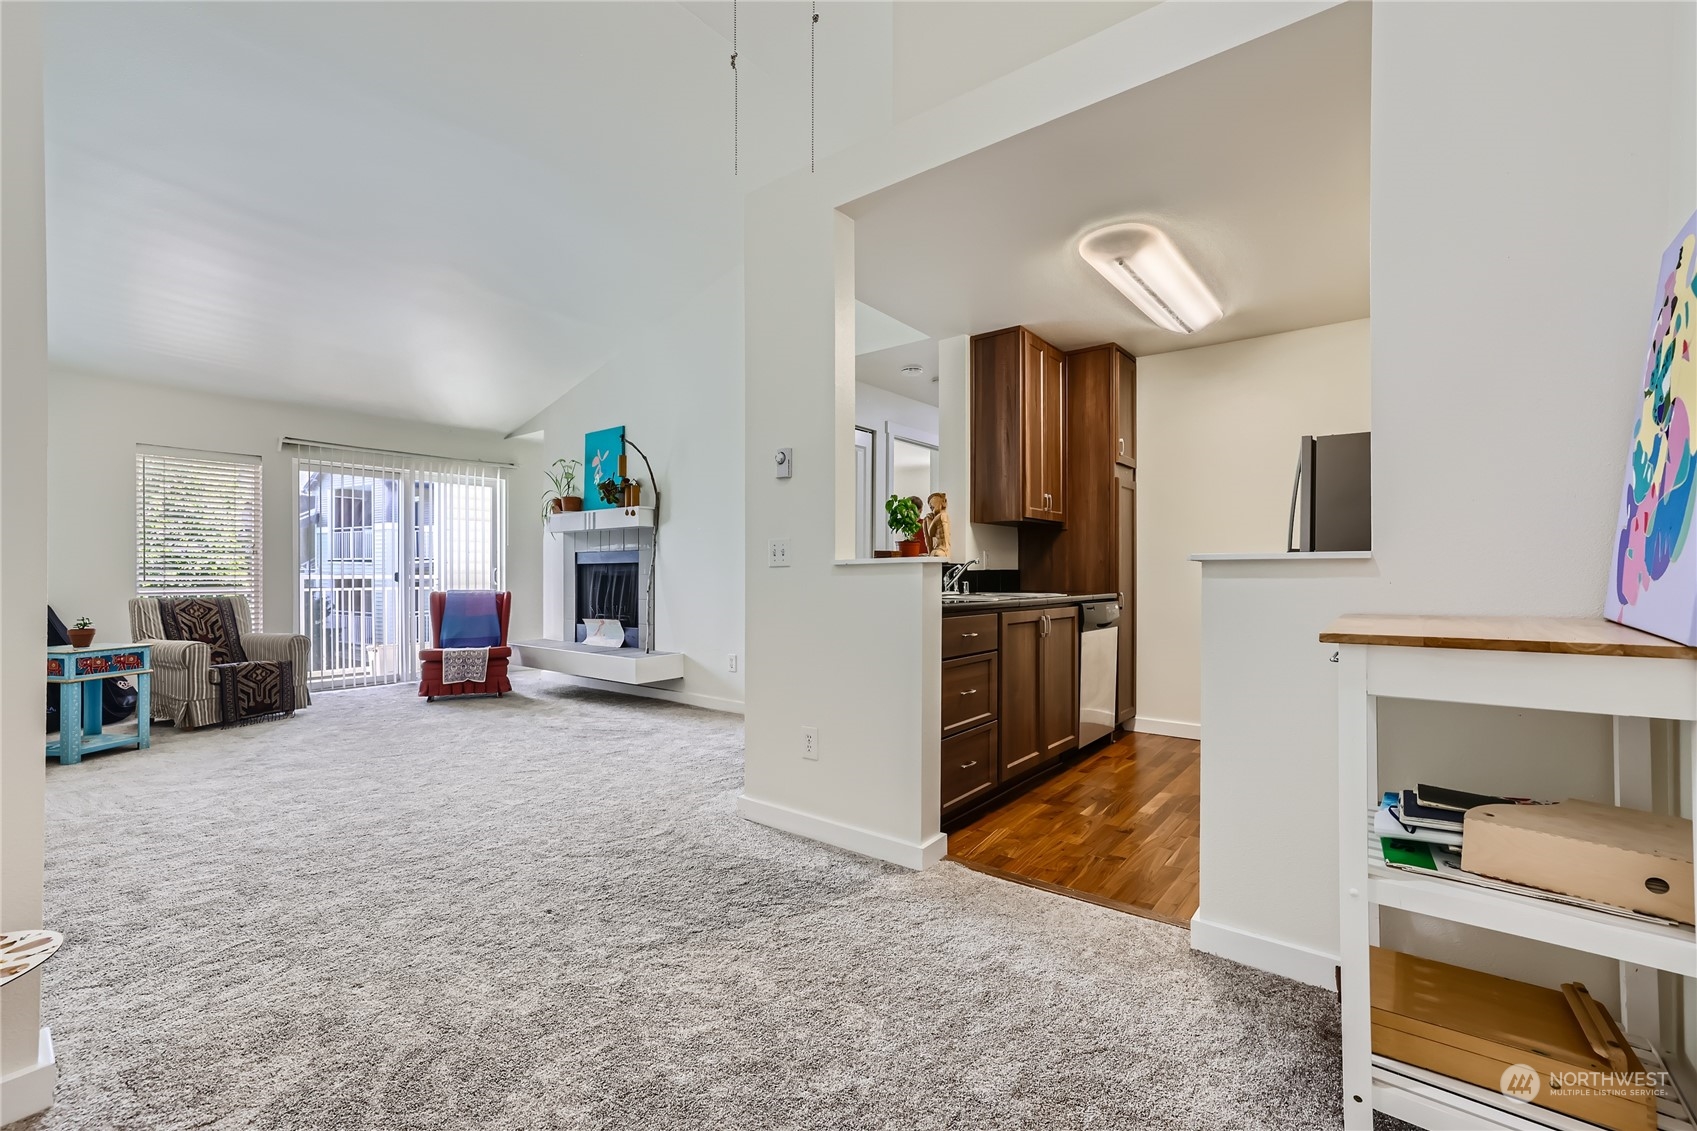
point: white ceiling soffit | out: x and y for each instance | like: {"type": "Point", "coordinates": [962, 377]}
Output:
{"type": "Point", "coordinates": [874, 330]}
{"type": "Point", "coordinates": [883, 368]}
{"type": "Point", "coordinates": [1254, 162]}
{"type": "Point", "coordinates": [451, 212]}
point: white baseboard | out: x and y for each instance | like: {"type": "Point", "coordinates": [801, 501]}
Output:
{"type": "Point", "coordinates": [1172, 728]}
{"type": "Point", "coordinates": [689, 698]}
{"type": "Point", "coordinates": [1288, 960]}
{"type": "Point", "coordinates": [852, 838]}
{"type": "Point", "coordinates": [29, 1090]}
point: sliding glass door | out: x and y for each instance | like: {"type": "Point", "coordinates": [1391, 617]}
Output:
{"type": "Point", "coordinates": [377, 534]}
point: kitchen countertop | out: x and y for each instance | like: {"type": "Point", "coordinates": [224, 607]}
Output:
{"type": "Point", "coordinates": [951, 609]}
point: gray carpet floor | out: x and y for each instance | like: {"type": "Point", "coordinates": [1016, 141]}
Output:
{"type": "Point", "coordinates": [543, 912]}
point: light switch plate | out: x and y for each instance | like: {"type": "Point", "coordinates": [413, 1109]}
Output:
{"type": "Point", "coordinates": [778, 553]}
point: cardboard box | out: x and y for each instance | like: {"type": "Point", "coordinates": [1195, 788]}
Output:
{"type": "Point", "coordinates": [1487, 1030]}
{"type": "Point", "coordinates": [1622, 857]}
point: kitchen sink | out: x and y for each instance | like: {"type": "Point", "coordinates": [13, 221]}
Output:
{"type": "Point", "coordinates": [994, 598]}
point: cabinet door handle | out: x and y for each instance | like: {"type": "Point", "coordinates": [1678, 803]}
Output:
{"type": "Point", "coordinates": [969, 765]}
{"type": "Point", "coordinates": [969, 636]}
{"type": "Point", "coordinates": [1122, 445]}
{"type": "Point", "coordinates": [970, 691]}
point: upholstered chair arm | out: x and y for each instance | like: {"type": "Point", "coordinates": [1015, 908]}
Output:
{"type": "Point", "coordinates": [190, 654]}
{"type": "Point", "coordinates": [277, 646]}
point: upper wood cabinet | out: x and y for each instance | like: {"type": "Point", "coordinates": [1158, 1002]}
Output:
{"type": "Point", "coordinates": [1019, 431]}
{"type": "Point", "coordinates": [1084, 557]}
{"type": "Point", "coordinates": [1125, 376]}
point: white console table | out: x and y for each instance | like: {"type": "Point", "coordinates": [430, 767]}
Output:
{"type": "Point", "coordinates": [1556, 664]}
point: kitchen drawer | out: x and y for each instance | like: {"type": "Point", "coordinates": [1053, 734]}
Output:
{"type": "Point", "coordinates": [965, 635]}
{"type": "Point", "coordinates": [969, 766]}
{"type": "Point", "coordinates": [969, 692]}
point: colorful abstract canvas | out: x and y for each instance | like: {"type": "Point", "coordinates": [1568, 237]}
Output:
{"type": "Point", "coordinates": [601, 452]}
{"type": "Point", "coordinates": [1653, 572]}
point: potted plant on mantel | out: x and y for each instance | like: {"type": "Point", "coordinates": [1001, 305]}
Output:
{"type": "Point", "coordinates": [81, 633]}
{"type": "Point", "coordinates": [562, 494]}
{"type": "Point", "coordinates": [620, 491]}
{"type": "Point", "coordinates": [902, 514]}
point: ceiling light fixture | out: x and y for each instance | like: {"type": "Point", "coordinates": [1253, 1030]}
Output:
{"type": "Point", "coordinates": [913, 370]}
{"type": "Point", "coordinates": [1144, 266]}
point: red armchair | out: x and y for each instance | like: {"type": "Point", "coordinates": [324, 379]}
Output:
{"type": "Point", "coordinates": [495, 681]}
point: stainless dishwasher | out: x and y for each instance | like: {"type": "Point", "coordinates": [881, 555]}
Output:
{"type": "Point", "coordinates": [1098, 669]}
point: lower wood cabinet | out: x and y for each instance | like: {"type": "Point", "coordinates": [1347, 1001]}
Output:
{"type": "Point", "coordinates": [1039, 688]}
{"type": "Point", "coordinates": [969, 692]}
{"type": "Point", "coordinates": [1010, 698]}
{"type": "Point", "coordinates": [969, 766]}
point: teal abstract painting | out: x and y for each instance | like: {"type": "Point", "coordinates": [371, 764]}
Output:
{"type": "Point", "coordinates": [601, 452]}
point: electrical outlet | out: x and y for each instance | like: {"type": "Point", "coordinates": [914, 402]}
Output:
{"type": "Point", "coordinates": [778, 553]}
{"type": "Point", "coordinates": [810, 743]}
{"type": "Point", "coordinates": [731, 661]}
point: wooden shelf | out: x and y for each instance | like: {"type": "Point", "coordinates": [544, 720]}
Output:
{"type": "Point", "coordinates": [1574, 636]}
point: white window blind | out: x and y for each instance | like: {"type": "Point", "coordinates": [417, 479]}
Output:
{"type": "Point", "coordinates": [198, 525]}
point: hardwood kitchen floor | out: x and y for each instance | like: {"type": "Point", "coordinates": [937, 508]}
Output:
{"type": "Point", "coordinates": [1120, 828]}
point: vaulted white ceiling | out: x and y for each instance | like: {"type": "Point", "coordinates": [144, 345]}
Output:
{"type": "Point", "coordinates": [450, 212]}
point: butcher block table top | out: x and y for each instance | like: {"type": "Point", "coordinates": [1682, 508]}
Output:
{"type": "Point", "coordinates": [1577, 636]}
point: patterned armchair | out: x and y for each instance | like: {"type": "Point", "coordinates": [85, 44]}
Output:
{"type": "Point", "coordinates": [208, 668]}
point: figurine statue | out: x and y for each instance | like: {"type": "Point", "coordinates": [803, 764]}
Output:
{"type": "Point", "coordinates": [936, 525]}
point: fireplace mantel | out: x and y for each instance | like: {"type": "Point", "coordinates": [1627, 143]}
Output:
{"type": "Point", "coordinates": [616, 518]}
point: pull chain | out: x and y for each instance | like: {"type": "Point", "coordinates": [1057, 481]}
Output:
{"type": "Point", "coordinates": [812, 96]}
{"type": "Point", "coordinates": [736, 156]}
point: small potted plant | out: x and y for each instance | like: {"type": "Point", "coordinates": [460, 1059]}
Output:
{"type": "Point", "coordinates": [620, 491]}
{"type": "Point", "coordinates": [902, 514]}
{"type": "Point", "coordinates": [562, 493]}
{"type": "Point", "coordinates": [81, 633]}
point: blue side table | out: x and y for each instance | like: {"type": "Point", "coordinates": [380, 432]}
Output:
{"type": "Point", "coordinates": [78, 672]}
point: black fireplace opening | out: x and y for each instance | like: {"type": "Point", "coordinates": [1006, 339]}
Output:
{"type": "Point", "coordinates": [607, 586]}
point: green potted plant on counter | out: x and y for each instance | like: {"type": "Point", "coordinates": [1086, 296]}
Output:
{"type": "Point", "coordinates": [81, 633]}
{"type": "Point", "coordinates": [902, 514]}
{"type": "Point", "coordinates": [561, 495]}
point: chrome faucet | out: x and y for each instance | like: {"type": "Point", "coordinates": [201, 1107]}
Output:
{"type": "Point", "coordinates": [952, 576]}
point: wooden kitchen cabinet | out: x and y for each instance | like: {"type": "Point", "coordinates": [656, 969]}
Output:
{"type": "Point", "coordinates": [1084, 555]}
{"type": "Point", "coordinates": [1019, 429]}
{"type": "Point", "coordinates": [1125, 409]}
{"type": "Point", "coordinates": [1058, 684]}
{"type": "Point", "coordinates": [1039, 688]}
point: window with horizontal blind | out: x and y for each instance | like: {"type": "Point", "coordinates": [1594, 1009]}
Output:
{"type": "Point", "coordinates": [198, 523]}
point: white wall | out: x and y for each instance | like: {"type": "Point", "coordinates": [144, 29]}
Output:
{"type": "Point", "coordinates": [875, 406]}
{"type": "Point", "coordinates": [26, 1085]}
{"type": "Point", "coordinates": [871, 634]}
{"type": "Point", "coordinates": [678, 392]}
{"type": "Point", "coordinates": [1217, 431]}
{"type": "Point", "coordinates": [1518, 217]}
{"type": "Point", "coordinates": [95, 423]}
{"type": "Point", "coordinates": [943, 48]}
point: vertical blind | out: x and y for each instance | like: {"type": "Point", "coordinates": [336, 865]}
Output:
{"type": "Point", "coordinates": [198, 525]}
{"type": "Point", "coordinates": [377, 533]}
